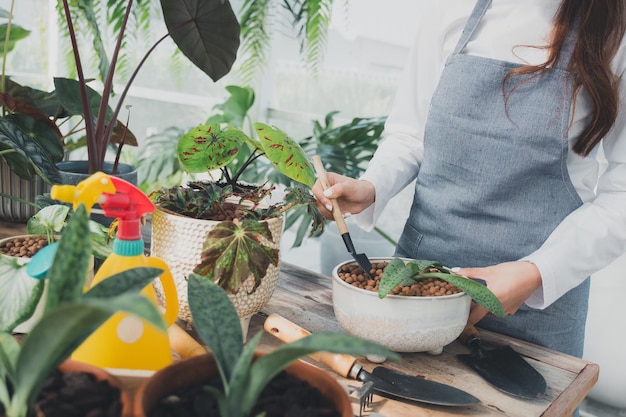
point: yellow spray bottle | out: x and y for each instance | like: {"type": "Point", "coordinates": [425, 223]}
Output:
{"type": "Point", "coordinates": [124, 341]}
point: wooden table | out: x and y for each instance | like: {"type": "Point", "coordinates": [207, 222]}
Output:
{"type": "Point", "coordinates": [305, 298]}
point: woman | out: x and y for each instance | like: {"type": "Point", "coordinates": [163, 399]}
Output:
{"type": "Point", "coordinates": [502, 111]}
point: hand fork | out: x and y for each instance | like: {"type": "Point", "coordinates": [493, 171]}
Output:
{"type": "Point", "coordinates": [364, 394]}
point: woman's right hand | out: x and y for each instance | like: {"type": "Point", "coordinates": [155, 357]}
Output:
{"type": "Point", "coordinates": [352, 195]}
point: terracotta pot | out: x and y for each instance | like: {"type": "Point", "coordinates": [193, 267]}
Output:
{"type": "Point", "coordinates": [179, 241]}
{"type": "Point", "coordinates": [201, 368]}
{"type": "Point", "coordinates": [102, 375]}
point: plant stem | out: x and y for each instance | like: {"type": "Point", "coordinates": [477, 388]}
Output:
{"type": "Point", "coordinates": [386, 236]}
{"type": "Point", "coordinates": [92, 149]}
{"type": "Point", "coordinates": [5, 52]}
{"type": "Point", "coordinates": [12, 197]}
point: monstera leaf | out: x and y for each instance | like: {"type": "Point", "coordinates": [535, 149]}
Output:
{"type": "Point", "coordinates": [234, 250]}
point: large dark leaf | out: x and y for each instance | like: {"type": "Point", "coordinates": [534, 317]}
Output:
{"type": "Point", "coordinates": [27, 100]}
{"type": "Point", "coordinates": [43, 132]}
{"type": "Point", "coordinates": [13, 137]}
{"type": "Point", "coordinates": [68, 93]}
{"type": "Point", "coordinates": [206, 32]}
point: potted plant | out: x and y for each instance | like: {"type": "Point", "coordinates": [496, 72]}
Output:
{"type": "Point", "coordinates": [211, 23]}
{"type": "Point", "coordinates": [70, 316]}
{"type": "Point", "coordinates": [407, 305]}
{"type": "Point", "coordinates": [222, 229]}
{"type": "Point", "coordinates": [30, 140]}
{"type": "Point", "coordinates": [239, 375]}
{"type": "Point", "coordinates": [21, 292]}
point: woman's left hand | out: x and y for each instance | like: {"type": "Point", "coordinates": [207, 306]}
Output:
{"type": "Point", "coordinates": [511, 282]}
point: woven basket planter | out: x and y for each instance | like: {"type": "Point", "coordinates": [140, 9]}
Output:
{"type": "Point", "coordinates": [179, 240]}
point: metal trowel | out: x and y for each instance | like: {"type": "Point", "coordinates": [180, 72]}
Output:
{"type": "Point", "coordinates": [502, 367]}
{"type": "Point", "coordinates": [360, 258]}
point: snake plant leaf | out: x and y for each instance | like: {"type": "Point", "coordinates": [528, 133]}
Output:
{"type": "Point", "coordinates": [285, 154]}
{"type": "Point", "coordinates": [479, 293]}
{"type": "Point", "coordinates": [13, 137]}
{"type": "Point", "coordinates": [396, 273]}
{"type": "Point", "coordinates": [268, 366]}
{"type": "Point", "coordinates": [19, 293]}
{"type": "Point", "coordinates": [60, 331]}
{"type": "Point", "coordinates": [399, 272]}
{"type": "Point", "coordinates": [209, 147]}
{"type": "Point", "coordinates": [205, 31]}
{"type": "Point", "coordinates": [67, 274]}
{"type": "Point", "coordinates": [216, 321]}
{"type": "Point", "coordinates": [234, 250]}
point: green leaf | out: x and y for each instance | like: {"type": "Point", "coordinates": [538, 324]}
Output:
{"type": "Point", "coordinates": [216, 321]}
{"type": "Point", "coordinates": [48, 220]}
{"type": "Point", "coordinates": [209, 147]}
{"type": "Point", "coordinates": [9, 352]}
{"type": "Point", "coordinates": [206, 32]}
{"type": "Point", "coordinates": [232, 251]}
{"type": "Point", "coordinates": [62, 330]}
{"type": "Point", "coordinates": [19, 293]}
{"type": "Point", "coordinates": [397, 272]}
{"type": "Point", "coordinates": [268, 366]}
{"type": "Point", "coordinates": [28, 149]}
{"type": "Point", "coordinates": [68, 272]}
{"type": "Point", "coordinates": [68, 93]}
{"type": "Point", "coordinates": [236, 107]}
{"type": "Point", "coordinates": [17, 33]}
{"type": "Point", "coordinates": [285, 154]}
{"type": "Point", "coordinates": [479, 293]}
{"type": "Point", "coordinates": [134, 280]}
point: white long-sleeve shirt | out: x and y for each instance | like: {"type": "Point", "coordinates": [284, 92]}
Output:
{"type": "Point", "coordinates": [589, 238]}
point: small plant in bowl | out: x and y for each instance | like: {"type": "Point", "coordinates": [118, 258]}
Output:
{"type": "Point", "coordinates": [69, 317]}
{"type": "Point", "coordinates": [243, 374]}
{"type": "Point", "coordinates": [407, 305]}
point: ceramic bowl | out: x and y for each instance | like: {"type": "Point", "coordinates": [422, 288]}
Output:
{"type": "Point", "coordinates": [400, 323]}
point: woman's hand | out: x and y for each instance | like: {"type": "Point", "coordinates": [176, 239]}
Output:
{"type": "Point", "coordinates": [511, 282]}
{"type": "Point", "coordinates": [352, 195]}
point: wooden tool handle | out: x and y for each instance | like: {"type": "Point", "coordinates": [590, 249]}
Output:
{"type": "Point", "coordinates": [288, 332]}
{"type": "Point", "coordinates": [321, 173]}
{"type": "Point", "coordinates": [468, 334]}
{"type": "Point", "coordinates": [183, 343]}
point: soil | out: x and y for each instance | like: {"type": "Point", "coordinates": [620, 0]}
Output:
{"type": "Point", "coordinates": [284, 396]}
{"type": "Point", "coordinates": [23, 247]}
{"type": "Point", "coordinates": [76, 394]}
{"type": "Point", "coordinates": [354, 275]}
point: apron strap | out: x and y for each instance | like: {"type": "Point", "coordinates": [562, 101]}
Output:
{"type": "Point", "coordinates": [477, 14]}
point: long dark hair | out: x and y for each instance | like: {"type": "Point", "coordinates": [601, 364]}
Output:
{"type": "Point", "coordinates": [601, 26]}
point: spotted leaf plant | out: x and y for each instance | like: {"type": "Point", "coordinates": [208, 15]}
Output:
{"type": "Point", "coordinates": [400, 272]}
{"type": "Point", "coordinates": [239, 245]}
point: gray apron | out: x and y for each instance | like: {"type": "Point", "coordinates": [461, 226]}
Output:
{"type": "Point", "coordinates": [494, 184]}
